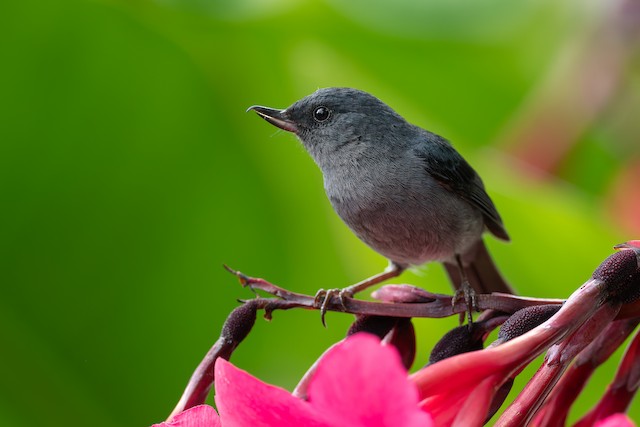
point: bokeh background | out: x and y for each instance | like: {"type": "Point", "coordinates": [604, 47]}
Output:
{"type": "Point", "coordinates": [129, 173]}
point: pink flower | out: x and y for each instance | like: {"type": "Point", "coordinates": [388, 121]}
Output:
{"type": "Point", "coordinates": [460, 390]}
{"type": "Point", "coordinates": [198, 416]}
{"type": "Point", "coordinates": [616, 420]}
{"type": "Point", "coordinates": [359, 382]}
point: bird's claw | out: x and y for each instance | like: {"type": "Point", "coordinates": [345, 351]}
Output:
{"type": "Point", "coordinates": [324, 296]}
{"type": "Point", "coordinates": [468, 295]}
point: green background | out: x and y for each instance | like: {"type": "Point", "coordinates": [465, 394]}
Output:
{"type": "Point", "coordinates": [129, 173]}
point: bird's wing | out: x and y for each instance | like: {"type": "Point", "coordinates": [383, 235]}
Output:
{"type": "Point", "coordinates": [452, 171]}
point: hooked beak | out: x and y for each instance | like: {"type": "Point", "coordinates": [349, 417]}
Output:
{"type": "Point", "coordinates": [275, 117]}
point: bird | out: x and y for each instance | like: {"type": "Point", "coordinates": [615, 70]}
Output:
{"type": "Point", "coordinates": [403, 190]}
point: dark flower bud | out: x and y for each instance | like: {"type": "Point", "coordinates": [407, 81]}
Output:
{"type": "Point", "coordinates": [620, 276]}
{"type": "Point", "coordinates": [462, 339]}
{"type": "Point", "coordinates": [524, 320]}
{"type": "Point", "coordinates": [403, 338]}
{"type": "Point", "coordinates": [499, 398]}
{"type": "Point", "coordinates": [397, 331]}
{"type": "Point", "coordinates": [239, 323]}
{"type": "Point", "coordinates": [379, 326]}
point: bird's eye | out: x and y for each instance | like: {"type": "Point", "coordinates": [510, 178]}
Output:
{"type": "Point", "coordinates": [321, 114]}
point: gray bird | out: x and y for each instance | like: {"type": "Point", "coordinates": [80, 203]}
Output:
{"type": "Point", "coordinates": [404, 191]}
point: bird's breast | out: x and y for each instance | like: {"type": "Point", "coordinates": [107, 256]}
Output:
{"type": "Point", "coordinates": [408, 221]}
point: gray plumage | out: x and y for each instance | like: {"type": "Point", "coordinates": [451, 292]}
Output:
{"type": "Point", "coordinates": [404, 191]}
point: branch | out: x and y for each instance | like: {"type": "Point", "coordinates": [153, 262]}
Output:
{"type": "Point", "coordinates": [418, 302]}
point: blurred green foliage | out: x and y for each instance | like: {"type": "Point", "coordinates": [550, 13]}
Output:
{"type": "Point", "coordinates": [129, 173]}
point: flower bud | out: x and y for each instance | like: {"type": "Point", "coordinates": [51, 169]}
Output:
{"type": "Point", "coordinates": [462, 339]}
{"type": "Point", "coordinates": [403, 294]}
{"type": "Point", "coordinates": [376, 325]}
{"type": "Point", "coordinates": [524, 320]}
{"type": "Point", "coordinates": [620, 276]}
{"type": "Point", "coordinates": [239, 323]}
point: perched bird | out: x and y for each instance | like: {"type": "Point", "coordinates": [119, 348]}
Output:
{"type": "Point", "coordinates": [404, 191]}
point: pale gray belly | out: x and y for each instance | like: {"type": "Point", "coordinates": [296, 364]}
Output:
{"type": "Point", "coordinates": [413, 227]}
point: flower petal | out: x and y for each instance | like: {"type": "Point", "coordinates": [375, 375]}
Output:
{"type": "Point", "coordinates": [198, 416]}
{"type": "Point", "coordinates": [363, 383]}
{"type": "Point", "coordinates": [615, 420]}
{"type": "Point", "coordinates": [244, 400]}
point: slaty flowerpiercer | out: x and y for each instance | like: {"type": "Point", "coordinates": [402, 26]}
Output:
{"type": "Point", "coordinates": [404, 191]}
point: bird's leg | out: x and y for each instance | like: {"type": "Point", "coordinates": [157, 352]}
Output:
{"type": "Point", "coordinates": [393, 270]}
{"type": "Point", "coordinates": [323, 296]}
{"type": "Point", "coordinates": [466, 292]}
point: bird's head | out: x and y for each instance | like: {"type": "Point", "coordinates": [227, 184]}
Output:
{"type": "Point", "coordinates": [340, 123]}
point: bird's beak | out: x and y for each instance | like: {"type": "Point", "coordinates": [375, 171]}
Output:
{"type": "Point", "coordinates": [275, 117]}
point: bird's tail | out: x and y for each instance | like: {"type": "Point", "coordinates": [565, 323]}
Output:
{"type": "Point", "coordinates": [481, 272]}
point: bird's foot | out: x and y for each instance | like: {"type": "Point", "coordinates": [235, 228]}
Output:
{"type": "Point", "coordinates": [466, 293]}
{"type": "Point", "coordinates": [323, 297]}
